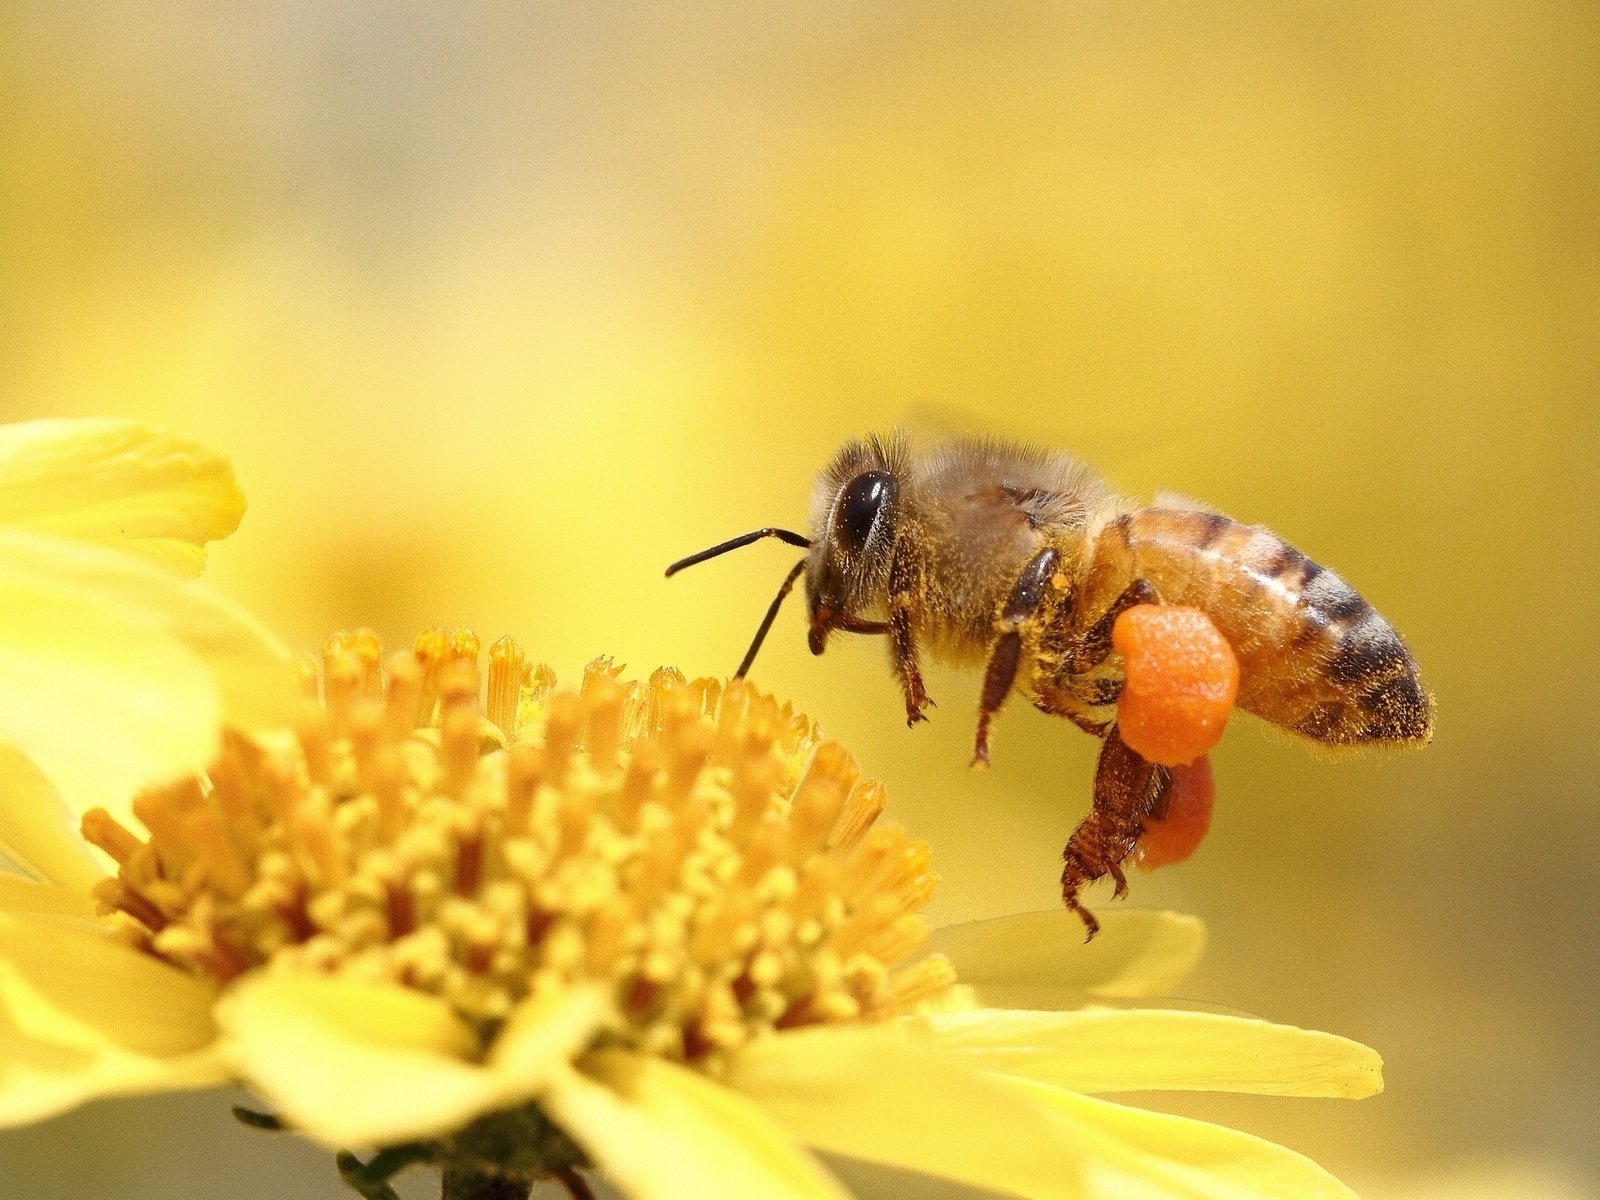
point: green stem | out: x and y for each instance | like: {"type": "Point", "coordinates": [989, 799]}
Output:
{"type": "Point", "coordinates": [573, 1182]}
{"type": "Point", "coordinates": [465, 1183]}
{"type": "Point", "coordinates": [257, 1120]}
{"type": "Point", "coordinates": [370, 1179]}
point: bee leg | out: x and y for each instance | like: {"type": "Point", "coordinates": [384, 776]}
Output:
{"type": "Point", "coordinates": [903, 646]}
{"type": "Point", "coordinates": [997, 681]}
{"type": "Point", "coordinates": [1087, 724]}
{"type": "Point", "coordinates": [1057, 703]}
{"type": "Point", "coordinates": [1026, 597]}
{"type": "Point", "coordinates": [903, 642]}
{"type": "Point", "coordinates": [1127, 790]}
{"type": "Point", "coordinates": [1090, 925]}
{"type": "Point", "coordinates": [903, 652]}
{"type": "Point", "coordinates": [1119, 881]}
{"type": "Point", "coordinates": [1094, 645]}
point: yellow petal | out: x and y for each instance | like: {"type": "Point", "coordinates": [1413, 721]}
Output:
{"type": "Point", "coordinates": [663, 1132]}
{"type": "Point", "coordinates": [1041, 958]}
{"type": "Point", "coordinates": [141, 489]}
{"type": "Point", "coordinates": [1131, 1152]}
{"type": "Point", "coordinates": [362, 1064]}
{"type": "Point", "coordinates": [38, 832]}
{"type": "Point", "coordinates": [254, 670]}
{"type": "Point", "coordinates": [114, 673]}
{"type": "Point", "coordinates": [82, 1016]}
{"type": "Point", "coordinates": [871, 1094]}
{"type": "Point", "coordinates": [40, 1079]}
{"type": "Point", "coordinates": [73, 984]}
{"type": "Point", "coordinates": [21, 896]}
{"type": "Point", "coordinates": [1119, 1050]}
{"type": "Point", "coordinates": [548, 1031]}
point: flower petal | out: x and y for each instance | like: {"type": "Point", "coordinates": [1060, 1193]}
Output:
{"type": "Point", "coordinates": [363, 1064]}
{"type": "Point", "coordinates": [26, 896]}
{"type": "Point", "coordinates": [663, 1132]}
{"type": "Point", "coordinates": [1133, 1152]}
{"type": "Point", "coordinates": [1138, 953]}
{"type": "Point", "coordinates": [255, 671]}
{"type": "Point", "coordinates": [40, 1078]}
{"type": "Point", "coordinates": [548, 1031]}
{"type": "Point", "coordinates": [115, 673]}
{"type": "Point", "coordinates": [71, 983]}
{"type": "Point", "coordinates": [82, 1016]}
{"type": "Point", "coordinates": [142, 489]}
{"type": "Point", "coordinates": [38, 832]}
{"type": "Point", "coordinates": [1118, 1050]}
{"type": "Point", "coordinates": [875, 1095]}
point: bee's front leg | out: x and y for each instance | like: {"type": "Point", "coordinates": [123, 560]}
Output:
{"type": "Point", "coordinates": [903, 643]}
{"type": "Point", "coordinates": [1027, 595]}
{"type": "Point", "coordinates": [1128, 790]}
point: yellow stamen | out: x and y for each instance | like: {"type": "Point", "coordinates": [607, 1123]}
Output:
{"type": "Point", "coordinates": [101, 829]}
{"type": "Point", "coordinates": [699, 849]}
{"type": "Point", "coordinates": [508, 672]}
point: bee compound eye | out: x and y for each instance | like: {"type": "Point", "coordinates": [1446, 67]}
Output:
{"type": "Point", "coordinates": [863, 498]}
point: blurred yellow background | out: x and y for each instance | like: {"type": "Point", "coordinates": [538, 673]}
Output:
{"type": "Point", "coordinates": [498, 309]}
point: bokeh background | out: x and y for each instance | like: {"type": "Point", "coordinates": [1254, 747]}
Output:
{"type": "Point", "coordinates": [499, 308]}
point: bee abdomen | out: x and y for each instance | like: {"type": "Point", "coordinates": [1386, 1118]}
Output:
{"type": "Point", "coordinates": [1315, 658]}
{"type": "Point", "coordinates": [1377, 693]}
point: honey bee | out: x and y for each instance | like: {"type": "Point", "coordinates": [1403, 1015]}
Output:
{"type": "Point", "coordinates": [984, 553]}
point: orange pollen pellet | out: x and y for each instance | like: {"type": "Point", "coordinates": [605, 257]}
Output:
{"type": "Point", "coordinates": [1181, 678]}
{"type": "Point", "coordinates": [1179, 830]}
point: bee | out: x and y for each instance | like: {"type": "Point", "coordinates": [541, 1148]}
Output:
{"type": "Point", "coordinates": [988, 554]}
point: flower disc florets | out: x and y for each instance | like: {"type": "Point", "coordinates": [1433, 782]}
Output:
{"type": "Point", "coordinates": [695, 848]}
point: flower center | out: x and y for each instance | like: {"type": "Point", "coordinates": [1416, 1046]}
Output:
{"type": "Point", "coordinates": [695, 847]}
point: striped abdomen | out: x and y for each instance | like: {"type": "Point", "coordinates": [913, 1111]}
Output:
{"type": "Point", "coordinates": [1314, 657]}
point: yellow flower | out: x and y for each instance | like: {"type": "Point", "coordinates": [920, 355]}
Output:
{"type": "Point", "coordinates": [113, 669]}
{"type": "Point", "coordinates": [120, 483]}
{"type": "Point", "coordinates": [654, 928]}
{"type": "Point", "coordinates": [666, 916]}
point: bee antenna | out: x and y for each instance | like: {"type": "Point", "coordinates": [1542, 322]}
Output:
{"type": "Point", "coordinates": [772, 615]}
{"type": "Point", "coordinates": [738, 543]}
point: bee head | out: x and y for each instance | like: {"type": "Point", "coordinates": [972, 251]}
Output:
{"type": "Point", "coordinates": [846, 566]}
{"type": "Point", "coordinates": [853, 519]}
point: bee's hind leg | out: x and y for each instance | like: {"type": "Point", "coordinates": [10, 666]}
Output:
{"type": "Point", "coordinates": [1128, 790]}
{"type": "Point", "coordinates": [1026, 596]}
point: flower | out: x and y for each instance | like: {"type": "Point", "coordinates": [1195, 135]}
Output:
{"type": "Point", "coordinates": [657, 928]}
{"type": "Point", "coordinates": [144, 490]}
{"type": "Point", "coordinates": [113, 669]}
{"type": "Point", "coordinates": [664, 917]}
